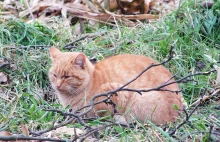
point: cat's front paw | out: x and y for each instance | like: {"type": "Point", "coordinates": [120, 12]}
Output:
{"type": "Point", "coordinates": [120, 119]}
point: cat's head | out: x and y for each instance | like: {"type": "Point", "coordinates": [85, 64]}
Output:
{"type": "Point", "coordinates": [70, 72]}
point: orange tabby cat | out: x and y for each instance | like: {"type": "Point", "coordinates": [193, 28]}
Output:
{"type": "Point", "coordinates": [77, 80]}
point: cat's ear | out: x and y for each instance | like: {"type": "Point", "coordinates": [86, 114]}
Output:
{"type": "Point", "coordinates": [80, 61]}
{"type": "Point", "coordinates": [54, 52]}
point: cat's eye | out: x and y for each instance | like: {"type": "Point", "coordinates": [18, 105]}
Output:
{"type": "Point", "coordinates": [54, 75]}
{"type": "Point", "coordinates": [66, 77]}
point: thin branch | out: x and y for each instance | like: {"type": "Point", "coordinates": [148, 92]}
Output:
{"type": "Point", "coordinates": [205, 97]}
{"type": "Point", "coordinates": [69, 114]}
{"type": "Point", "coordinates": [38, 133]}
{"type": "Point", "coordinates": [71, 43]}
{"type": "Point", "coordinates": [198, 132]}
{"type": "Point", "coordinates": [20, 137]}
{"type": "Point", "coordinates": [34, 46]}
{"type": "Point", "coordinates": [92, 131]}
{"type": "Point", "coordinates": [149, 90]}
{"type": "Point", "coordinates": [210, 132]}
{"type": "Point", "coordinates": [4, 65]}
{"type": "Point", "coordinates": [187, 118]}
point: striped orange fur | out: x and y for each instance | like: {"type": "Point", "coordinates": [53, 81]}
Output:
{"type": "Point", "coordinates": [77, 80]}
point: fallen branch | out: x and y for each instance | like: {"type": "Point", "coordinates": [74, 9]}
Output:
{"type": "Point", "coordinates": [205, 97]}
{"type": "Point", "coordinates": [20, 137]}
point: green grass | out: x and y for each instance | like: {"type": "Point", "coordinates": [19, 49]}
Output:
{"type": "Point", "coordinates": [193, 31]}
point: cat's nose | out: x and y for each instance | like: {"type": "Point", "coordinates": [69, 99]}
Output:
{"type": "Point", "coordinates": [58, 86]}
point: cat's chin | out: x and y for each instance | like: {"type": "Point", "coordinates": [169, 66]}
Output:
{"type": "Point", "coordinates": [66, 92]}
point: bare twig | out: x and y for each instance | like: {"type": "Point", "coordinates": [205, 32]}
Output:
{"type": "Point", "coordinates": [159, 88]}
{"type": "Point", "coordinates": [187, 117]}
{"type": "Point", "coordinates": [34, 46]}
{"type": "Point", "coordinates": [69, 114]}
{"type": "Point", "coordinates": [20, 137]}
{"type": "Point", "coordinates": [205, 97]}
{"type": "Point", "coordinates": [69, 45]}
{"type": "Point", "coordinates": [38, 133]}
{"type": "Point", "coordinates": [198, 132]}
{"type": "Point", "coordinates": [210, 132]}
{"type": "Point", "coordinates": [92, 131]}
{"type": "Point", "coordinates": [4, 65]}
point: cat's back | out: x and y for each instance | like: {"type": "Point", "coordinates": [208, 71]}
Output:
{"type": "Point", "coordinates": [125, 59]}
{"type": "Point", "coordinates": [123, 68]}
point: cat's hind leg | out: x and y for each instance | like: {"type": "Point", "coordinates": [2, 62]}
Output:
{"type": "Point", "coordinates": [118, 103]}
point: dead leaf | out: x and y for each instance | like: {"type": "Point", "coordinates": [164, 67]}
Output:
{"type": "Point", "coordinates": [27, 11]}
{"type": "Point", "coordinates": [108, 16]}
{"type": "Point", "coordinates": [3, 78]}
{"type": "Point", "coordinates": [5, 133]}
{"type": "Point", "coordinates": [50, 134]}
{"type": "Point", "coordinates": [164, 7]}
{"type": "Point", "coordinates": [33, 3]}
{"type": "Point", "coordinates": [78, 6]}
{"type": "Point", "coordinates": [68, 131]}
{"type": "Point", "coordinates": [94, 10]}
{"type": "Point", "coordinates": [24, 129]}
{"type": "Point", "coordinates": [91, 6]}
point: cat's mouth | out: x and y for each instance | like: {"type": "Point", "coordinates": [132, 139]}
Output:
{"type": "Point", "coordinates": [59, 88]}
{"type": "Point", "coordinates": [66, 89]}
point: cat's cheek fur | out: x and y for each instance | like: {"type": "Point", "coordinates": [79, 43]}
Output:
{"type": "Point", "coordinates": [51, 81]}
